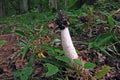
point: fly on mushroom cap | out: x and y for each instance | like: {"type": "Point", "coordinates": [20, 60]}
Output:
{"type": "Point", "coordinates": [62, 20]}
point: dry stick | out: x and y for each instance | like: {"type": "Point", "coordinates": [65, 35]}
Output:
{"type": "Point", "coordinates": [68, 46]}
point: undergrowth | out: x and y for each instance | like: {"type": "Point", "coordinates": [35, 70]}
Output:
{"type": "Point", "coordinates": [33, 26]}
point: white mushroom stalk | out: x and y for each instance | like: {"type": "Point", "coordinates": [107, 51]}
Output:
{"type": "Point", "coordinates": [67, 44]}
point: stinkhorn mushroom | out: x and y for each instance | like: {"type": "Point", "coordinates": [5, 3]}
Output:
{"type": "Point", "coordinates": [67, 44]}
{"type": "Point", "coordinates": [63, 23]}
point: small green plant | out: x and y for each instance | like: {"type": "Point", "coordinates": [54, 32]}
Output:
{"type": "Point", "coordinates": [111, 22]}
{"type": "Point", "coordinates": [60, 61]}
{"type": "Point", "coordinates": [78, 29]}
{"type": "Point", "coordinates": [52, 69]}
{"type": "Point", "coordinates": [25, 47]}
{"type": "Point", "coordinates": [102, 40]}
{"type": "Point", "coordinates": [25, 73]}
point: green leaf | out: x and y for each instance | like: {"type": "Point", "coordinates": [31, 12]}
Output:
{"type": "Point", "coordinates": [111, 22]}
{"type": "Point", "coordinates": [22, 43]}
{"type": "Point", "coordinates": [63, 58]}
{"type": "Point", "coordinates": [24, 77]}
{"type": "Point", "coordinates": [79, 27]}
{"type": "Point", "coordinates": [57, 50]}
{"type": "Point", "coordinates": [101, 73]}
{"type": "Point", "coordinates": [89, 65]}
{"type": "Point", "coordinates": [105, 13]}
{"type": "Point", "coordinates": [24, 74]}
{"type": "Point", "coordinates": [17, 74]}
{"type": "Point", "coordinates": [25, 49]}
{"type": "Point", "coordinates": [91, 45]}
{"type": "Point", "coordinates": [71, 3]}
{"type": "Point", "coordinates": [99, 21]}
{"type": "Point", "coordinates": [51, 70]}
{"type": "Point", "coordinates": [78, 62]}
{"type": "Point", "coordinates": [103, 39]}
{"type": "Point", "coordinates": [20, 32]}
{"type": "Point", "coordinates": [2, 42]}
{"type": "Point", "coordinates": [32, 57]}
{"type": "Point", "coordinates": [50, 49]}
{"type": "Point", "coordinates": [27, 71]}
{"type": "Point", "coordinates": [57, 63]}
{"type": "Point", "coordinates": [104, 51]}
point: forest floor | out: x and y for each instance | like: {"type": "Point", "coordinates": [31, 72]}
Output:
{"type": "Point", "coordinates": [11, 52]}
